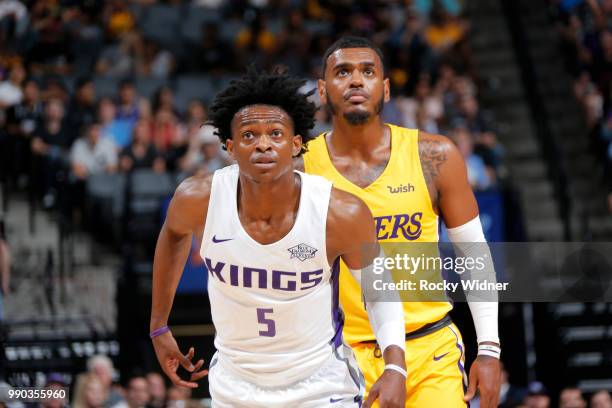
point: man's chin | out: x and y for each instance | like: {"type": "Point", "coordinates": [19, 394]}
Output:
{"type": "Point", "coordinates": [357, 118]}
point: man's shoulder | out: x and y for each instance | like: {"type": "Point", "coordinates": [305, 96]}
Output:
{"type": "Point", "coordinates": [194, 190]}
{"type": "Point", "coordinates": [434, 141]}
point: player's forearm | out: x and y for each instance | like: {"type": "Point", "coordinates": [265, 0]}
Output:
{"type": "Point", "coordinates": [387, 322]}
{"type": "Point", "coordinates": [469, 242]}
{"type": "Point", "coordinates": [170, 255]}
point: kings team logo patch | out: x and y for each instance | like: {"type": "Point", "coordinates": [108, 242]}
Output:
{"type": "Point", "coordinates": [302, 252]}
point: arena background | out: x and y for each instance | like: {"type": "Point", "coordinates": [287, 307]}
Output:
{"type": "Point", "coordinates": [522, 87]}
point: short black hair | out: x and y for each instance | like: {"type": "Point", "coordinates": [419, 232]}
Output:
{"type": "Point", "coordinates": [351, 41]}
{"type": "Point", "coordinates": [261, 88]}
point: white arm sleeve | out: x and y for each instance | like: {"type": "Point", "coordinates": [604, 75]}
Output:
{"type": "Point", "coordinates": [469, 241]}
{"type": "Point", "coordinates": [386, 316]}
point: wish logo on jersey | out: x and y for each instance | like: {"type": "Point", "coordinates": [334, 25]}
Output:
{"type": "Point", "coordinates": [248, 277]}
{"type": "Point", "coordinates": [405, 226]}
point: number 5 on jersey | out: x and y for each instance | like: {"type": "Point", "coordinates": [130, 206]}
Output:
{"type": "Point", "coordinates": [261, 319]}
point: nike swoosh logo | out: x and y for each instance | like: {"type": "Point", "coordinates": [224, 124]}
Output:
{"type": "Point", "coordinates": [439, 357]}
{"type": "Point", "coordinates": [334, 400]}
{"type": "Point", "coordinates": [216, 241]}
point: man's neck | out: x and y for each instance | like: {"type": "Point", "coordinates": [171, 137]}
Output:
{"type": "Point", "coordinates": [268, 201]}
{"type": "Point", "coordinates": [358, 141]}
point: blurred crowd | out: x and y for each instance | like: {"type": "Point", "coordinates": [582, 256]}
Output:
{"type": "Point", "coordinates": [586, 29]}
{"type": "Point", "coordinates": [97, 388]}
{"type": "Point", "coordinates": [61, 126]}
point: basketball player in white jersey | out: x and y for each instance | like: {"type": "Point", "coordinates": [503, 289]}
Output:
{"type": "Point", "coordinates": [272, 238]}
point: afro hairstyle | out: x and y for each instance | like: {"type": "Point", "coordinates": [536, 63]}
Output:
{"type": "Point", "coordinates": [260, 88]}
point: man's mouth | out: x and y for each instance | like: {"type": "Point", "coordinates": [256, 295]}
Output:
{"type": "Point", "coordinates": [357, 97]}
{"type": "Point", "coordinates": [264, 162]}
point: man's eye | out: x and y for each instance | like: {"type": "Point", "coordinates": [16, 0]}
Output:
{"type": "Point", "coordinates": [247, 135]}
{"type": "Point", "coordinates": [277, 132]}
{"type": "Point", "coordinates": [369, 72]}
{"type": "Point", "coordinates": [342, 72]}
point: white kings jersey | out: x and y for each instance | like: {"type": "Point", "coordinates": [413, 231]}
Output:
{"type": "Point", "coordinates": [274, 307]}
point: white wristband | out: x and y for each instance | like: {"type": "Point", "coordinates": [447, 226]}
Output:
{"type": "Point", "coordinates": [489, 350]}
{"type": "Point", "coordinates": [397, 368]}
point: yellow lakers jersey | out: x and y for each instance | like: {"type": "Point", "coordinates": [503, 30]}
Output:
{"type": "Point", "coordinates": [403, 213]}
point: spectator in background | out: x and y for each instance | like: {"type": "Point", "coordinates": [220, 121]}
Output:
{"type": "Point", "coordinates": [13, 20]}
{"type": "Point", "coordinates": [164, 100]}
{"type": "Point", "coordinates": [601, 399]}
{"type": "Point", "coordinates": [196, 113]}
{"type": "Point", "coordinates": [157, 390]}
{"type": "Point", "coordinates": [169, 136]}
{"type": "Point", "coordinates": [10, 90]}
{"type": "Point", "coordinates": [118, 19]}
{"type": "Point", "coordinates": [212, 53]}
{"type": "Point", "coordinates": [154, 61]}
{"type": "Point", "coordinates": [204, 155]}
{"type": "Point", "coordinates": [509, 395]}
{"type": "Point", "coordinates": [89, 392]}
{"type": "Point", "coordinates": [537, 396]}
{"type": "Point", "coordinates": [55, 88]}
{"type": "Point", "coordinates": [444, 31]}
{"type": "Point", "coordinates": [117, 59]}
{"type": "Point", "coordinates": [141, 153]}
{"type": "Point", "coordinates": [137, 394]}
{"type": "Point", "coordinates": [21, 121]}
{"type": "Point", "coordinates": [180, 397]}
{"type": "Point", "coordinates": [119, 131]}
{"type": "Point", "coordinates": [54, 382]}
{"type": "Point", "coordinates": [571, 397]}
{"type": "Point", "coordinates": [478, 174]}
{"type": "Point", "coordinates": [86, 40]}
{"type": "Point", "coordinates": [93, 154]}
{"type": "Point", "coordinates": [470, 113]}
{"type": "Point", "coordinates": [51, 144]}
{"type": "Point", "coordinates": [128, 107]}
{"type": "Point", "coordinates": [50, 50]}
{"type": "Point", "coordinates": [82, 108]}
{"type": "Point", "coordinates": [101, 368]}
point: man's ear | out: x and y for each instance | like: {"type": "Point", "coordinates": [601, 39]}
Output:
{"type": "Point", "coordinates": [387, 90]}
{"type": "Point", "coordinates": [297, 145]}
{"type": "Point", "coordinates": [229, 146]}
{"type": "Point", "coordinates": [321, 91]}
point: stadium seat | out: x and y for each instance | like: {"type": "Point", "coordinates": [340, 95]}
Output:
{"type": "Point", "coordinates": [106, 86]}
{"type": "Point", "coordinates": [194, 18]}
{"type": "Point", "coordinates": [161, 23]}
{"type": "Point", "coordinates": [193, 87]}
{"type": "Point", "coordinates": [147, 191]}
{"type": "Point", "coordinates": [105, 194]}
{"type": "Point", "coordinates": [147, 87]}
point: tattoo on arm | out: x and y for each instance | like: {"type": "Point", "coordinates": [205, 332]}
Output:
{"type": "Point", "coordinates": [433, 156]}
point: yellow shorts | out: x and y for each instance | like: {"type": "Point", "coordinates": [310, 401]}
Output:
{"type": "Point", "coordinates": [436, 377]}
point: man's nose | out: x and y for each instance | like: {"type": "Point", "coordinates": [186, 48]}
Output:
{"type": "Point", "coordinates": [264, 143]}
{"type": "Point", "coordinates": [356, 79]}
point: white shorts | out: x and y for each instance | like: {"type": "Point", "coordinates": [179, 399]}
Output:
{"type": "Point", "coordinates": [338, 383]}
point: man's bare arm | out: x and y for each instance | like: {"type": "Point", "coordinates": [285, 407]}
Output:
{"type": "Point", "coordinates": [186, 215]}
{"type": "Point", "coordinates": [352, 236]}
{"type": "Point", "coordinates": [446, 177]}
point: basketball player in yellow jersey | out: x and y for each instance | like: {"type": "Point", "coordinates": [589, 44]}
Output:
{"type": "Point", "coordinates": [407, 178]}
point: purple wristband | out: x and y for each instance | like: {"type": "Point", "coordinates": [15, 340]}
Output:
{"type": "Point", "coordinates": [159, 332]}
